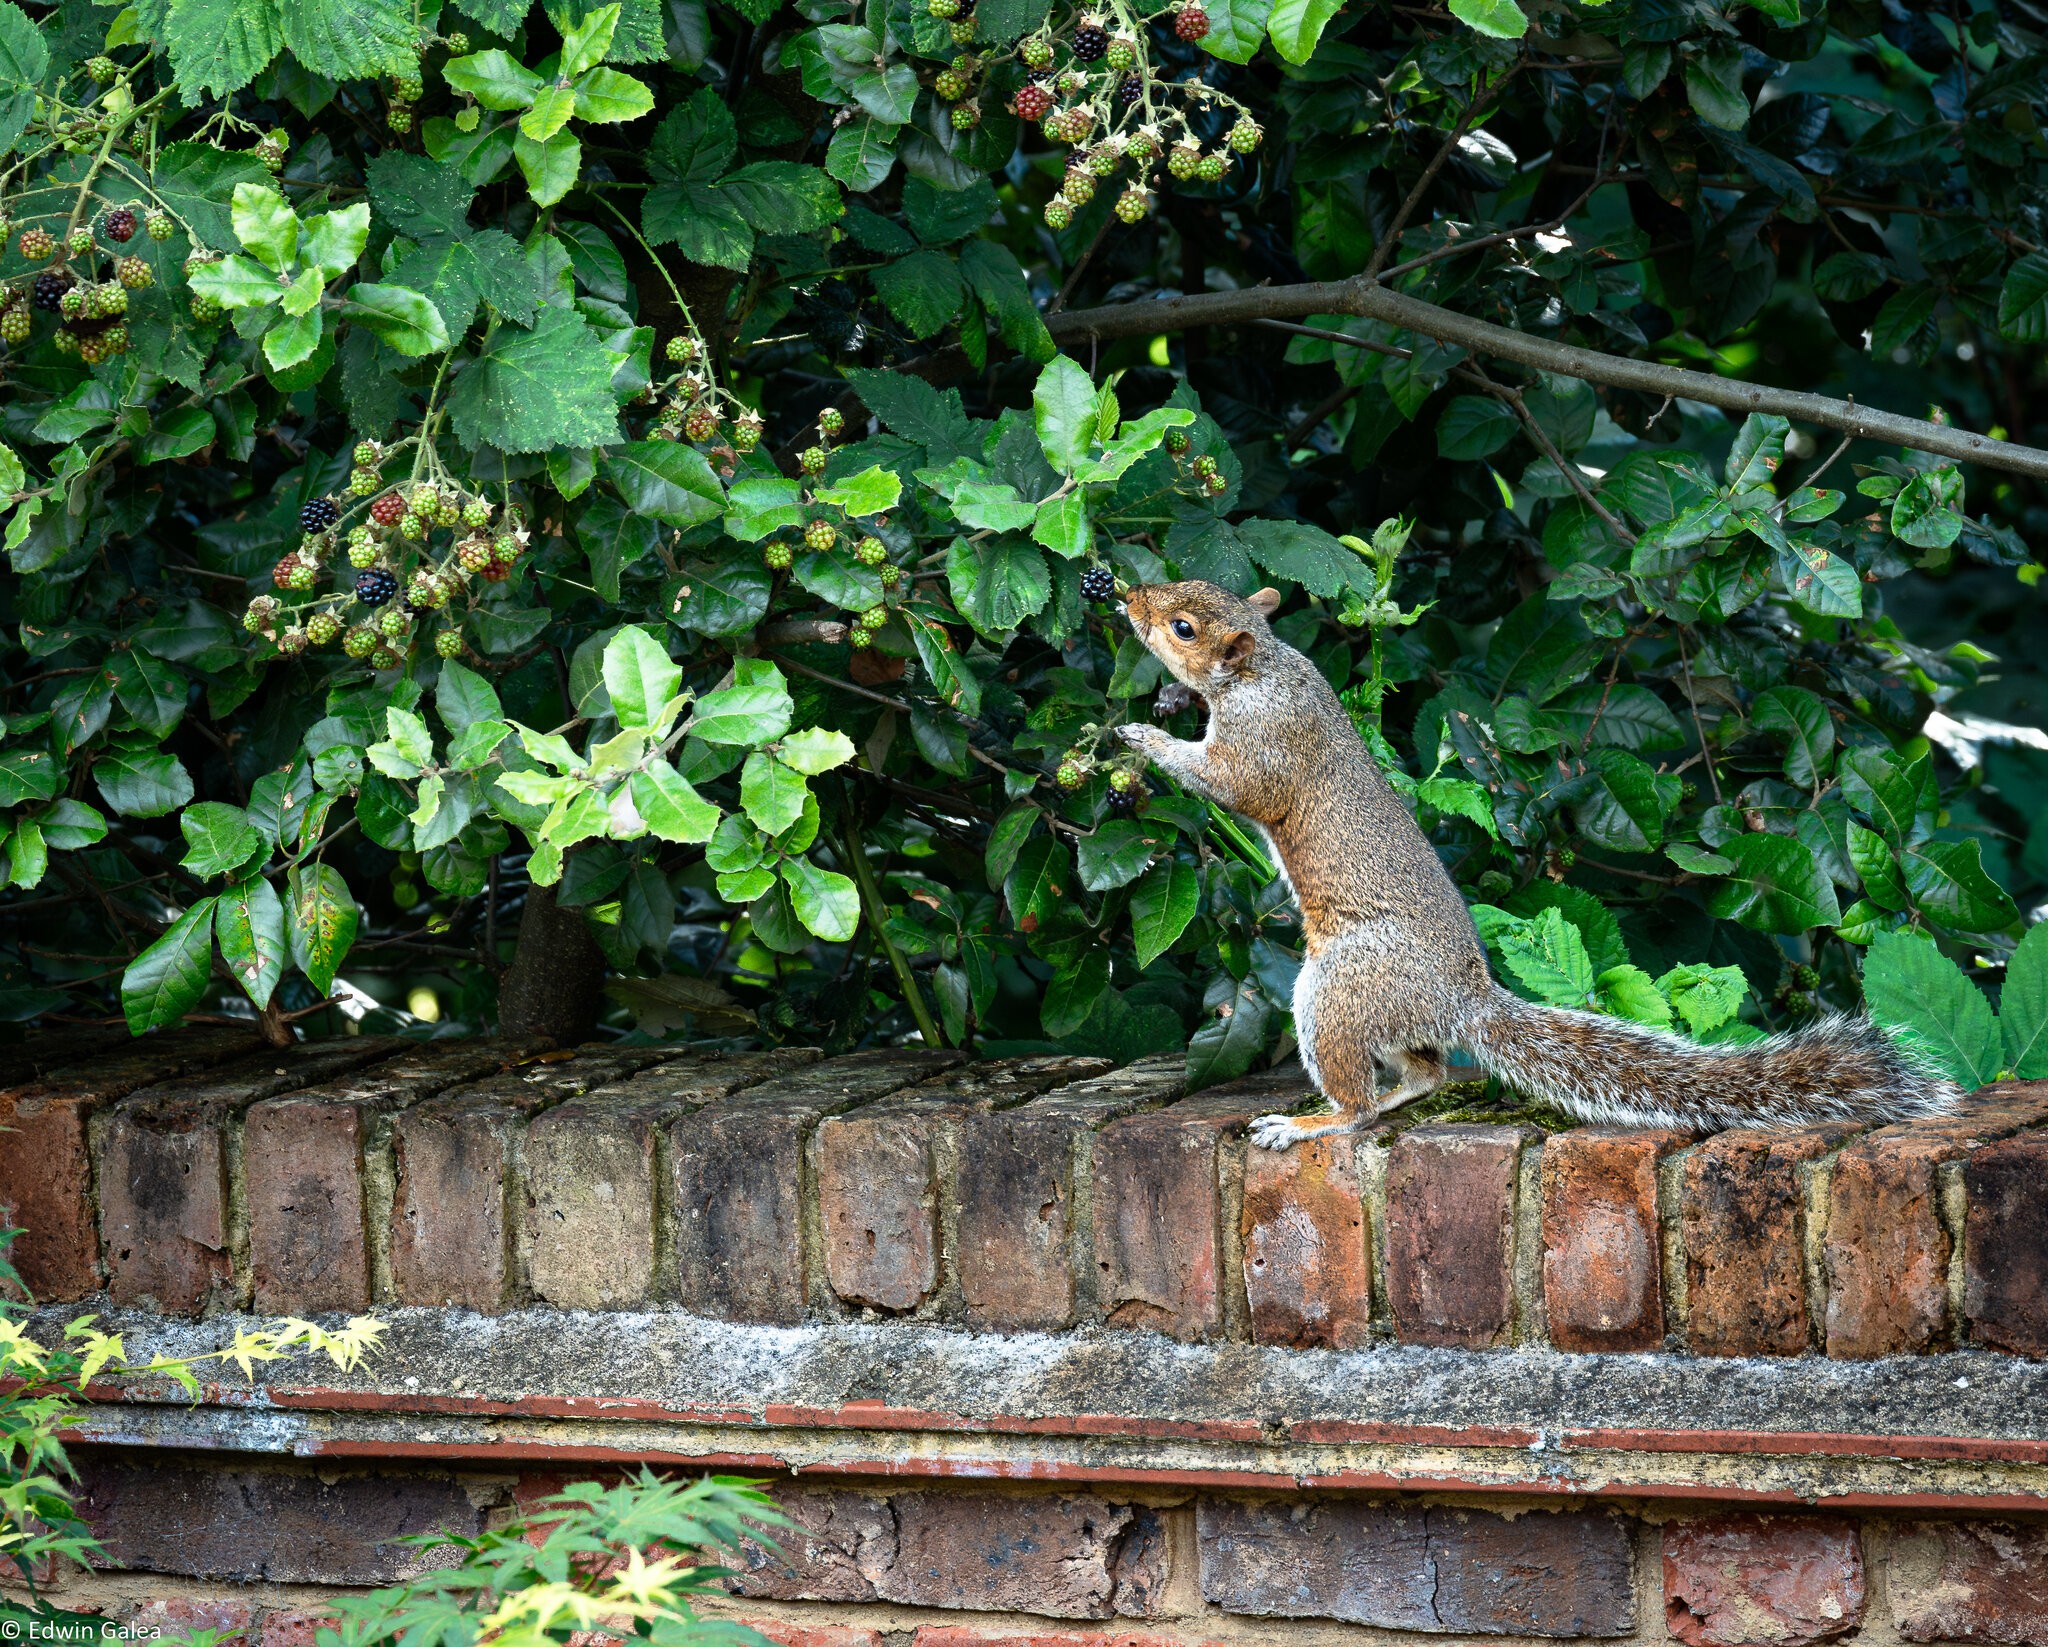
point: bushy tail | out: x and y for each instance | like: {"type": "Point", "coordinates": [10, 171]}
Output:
{"type": "Point", "coordinates": [1838, 1068]}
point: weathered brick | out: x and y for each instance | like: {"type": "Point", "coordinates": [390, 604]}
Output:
{"type": "Point", "coordinates": [453, 1161]}
{"type": "Point", "coordinates": [46, 1156]}
{"type": "Point", "coordinates": [294, 1627]}
{"type": "Point", "coordinates": [1019, 1173]}
{"type": "Point", "coordinates": [739, 1181]}
{"type": "Point", "coordinates": [969, 1635]}
{"type": "Point", "coordinates": [588, 1176]}
{"type": "Point", "coordinates": [1762, 1581]}
{"type": "Point", "coordinates": [1307, 1252]}
{"type": "Point", "coordinates": [837, 1546]}
{"type": "Point", "coordinates": [881, 1170]}
{"type": "Point", "coordinates": [1057, 1556]}
{"type": "Point", "coordinates": [1158, 1187]}
{"type": "Point", "coordinates": [2005, 1287]}
{"type": "Point", "coordinates": [279, 1525]}
{"type": "Point", "coordinates": [1970, 1581]}
{"type": "Point", "coordinates": [43, 1053]}
{"type": "Point", "coordinates": [1450, 1234]}
{"type": "Point", "coordinates": [161, 1166]}
{"type": "Point", "coordinates": [1743, 1214]}
{"type": "Point", "coordinates": [1887, 1252]}
{"type": "Point", "coordinates": [1603, 1268]}
{"type": "Point", "coordinates": [1403, 1567]}
{"type": "Point", "coordinates": [184, 1616]}
{"type": "Point", "coordinates": [303, 1166]}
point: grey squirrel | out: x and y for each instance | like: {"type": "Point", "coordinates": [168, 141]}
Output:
{"type": "Point", "coordinates": [1396, 974]}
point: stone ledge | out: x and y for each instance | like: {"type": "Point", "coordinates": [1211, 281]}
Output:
{"type": "Point", "coordinates": [542, 1389]}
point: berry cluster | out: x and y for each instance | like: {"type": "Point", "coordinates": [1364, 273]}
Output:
{"type": "Point", "coordinates": [690, 407]}
{"type": "Point", "coordinates": [827, 529]}
{"type": "Point", "coordinates": [1124, 788]}
{"type": "Point", "coordinates": [90, 311]}
{"type": "Point", "coordinates": [394, 550]}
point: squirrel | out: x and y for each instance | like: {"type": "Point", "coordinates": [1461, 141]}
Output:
{"type": "Point", "coordinates": [1395, 973]}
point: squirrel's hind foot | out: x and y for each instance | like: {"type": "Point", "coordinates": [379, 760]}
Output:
{"type": "Point", "coordinates": [1283, 1131]}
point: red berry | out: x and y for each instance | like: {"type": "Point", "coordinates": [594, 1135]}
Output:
{"type": "Point", "coordinates": [1032, 103]}
{"type": "Point", "coordinates": [388, 510]}
{"type": "Point", "coordinates": [120, 224]}
{"type": "Point", "coordinates": [1191, 22]}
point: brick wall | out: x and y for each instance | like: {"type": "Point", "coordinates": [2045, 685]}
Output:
{"type": "Point", "coordinates": [1040, 1194]}
{"type": "Point", "coordinates": [1037, 1353]}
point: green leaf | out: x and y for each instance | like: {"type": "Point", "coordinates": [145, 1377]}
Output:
{"type": "Point", "coordinates": [754, 710]}
{"type": "Point", "coordinates": [1498, 19]}
{"type": "Point", "coordinates": [826, 902]}
{"type": "Point", "coordinates": [551, 167]}
{"type": "Point", "coordinates": [2023, 1006]}
{"type": "Point", "coordinates": [951, 677]}
{"type": "Point", "coordinates": [1063, 412]}
{"type": "Point", "coordinates": [605, 97]}
{"type": "Point", "coordinates": [28, 855]}
{"type": "Point", "coordinates": [409, 735]}
{"type": "Point", "coordinates": [1713, 84]}
{"type": "Point", "coordinates": [923, 291]}
{"type": "Point", "coordinates": [137, 783]}
{"type": "Point", "coordinates": [1296, 25]}
{"type": "Point", "coordinates": [292, 341]}
{"type": "Point", "coordinates": [494, 78]}
{"type": "Point", "coordinates": [1706, 997]}
{"type": "Point", "coordinates": [1237, 28]}
{"type": "Point", "coordinates": [1549, 958]}
{"type": "Point", "coordinates": [990, 506]}
{"type": "Point", "coordinates": [219, 838]}
{"type": "Point", "coordinates": [1627, 992]}
{"type": "Point", "coordinates": [71, 826]}
{"type": "Point", "coordinates": [587, 42]}
{"type": "Point", "coordinates": [1778, 886]}
{"type": "Point", "coordinates": [529, 391]}
{"type": "Point", "coordinates": [726, 599]}
{"type": "Point", "coordinates": [666, 481]}
{"type": "Point", "coordinates": [815, 749]}
{"type": "Point", "coordinates": [1625, 803]}
{"type": "Point", "coordinates": [27, 775]}
{"type": "Point", "coordinates": [997, 281]}
{"type": "Point", "coordinates": [2023, 300]}
{"type": "Point", "coordinates": [1163, 901]}
{"type": "Point", "coordinates": [167, 979]}
{"type": "Point", "coordinates": [706, 226]}
{"type": "Point", "coordinates": [1923, 999]}
{"type": "Point", "coordinates": [403, 318]}
{"type": "Point", "coordinates": [1758, 450]}
{"type": "Point", "coordinates": [998, 583]}
{"type": "Point", "coordinates": [24, 60]}
{"type": "Point", "coordinates": [771, 793]}
{"type": "Point", "coordinates": [266, 226]}
{"type": "Point", "coordinates": [1061, 524]}
{"type": "Point", "coordinates": [639, 676]}
{"type": "Point", "coordinates": [1948, 882]}
{"type": "Point", "coordinates": [418, 197]}
{"type": "Point", "coordinates": [1474, 426]}
{"type": "Point", "coordinates": [873, 491]}
{"type": "Point", "coordinates": [781, 197]}
{"type": "Point", "coordinates": [1876, 867]}
{"type": "Point", "coordinates": [862, 152]}
{"type": "Point", "coordinates": [323, 922]}
{"type": "Point", "coordinates": [1803, 720]}
{"type": "Point", "coordinates": [1226, 1046]}
{"type": "Point", "coordinates": [1117, 853]}
{"type": "Point", "coordinates": [762, 507]}
{"type": "Point", "coordinates": [1821, 580]}
{"type": "Point", "coordinates": [1302, 554]}
{"type": "Point", "coordinates": [219, 46]}
{"type": "Point", "coordinates": [248, 922]}
{"type": "Point", "coordinates": [352, 39]}
{"type": "Point", "coordinates": [237, 283]}
{"type": "Point", "coordinates": [462, 697]}
{"type": "Point", "coordinates": [1927, 513]}
{"type": "Point", "coordinates": [670, 807]}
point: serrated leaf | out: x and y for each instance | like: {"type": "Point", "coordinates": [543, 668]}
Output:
{"type": "Point", "coordinates": [551, 167]}
{"type": "Point", "coordinates": [219, 46]}
{"type": "Point", "coordinates": [494, 78]}
{"type": "Point", "coordinates": [529, 391]}
{"type": "Point", "coordinates": [1549, 957]}
{"type": "Point", "coordinates": [1063, 413]}
{"type": "Point", "coordinates": [1778, 886]}
{"type": "Point", "coordinates": [771, 793]}
{"type": "Point", "coordinates": [1295, 26]}
{"type": "Point", "coordinates": [755, 709]}
{"type": "Point", "coordinates": [826, 902]}
{"type": "Point", "coordinates": [1923, 999]}
{"type": "Point", "coordinates": [605, 97]}
{"type": "Point", "coordinates": [352, 39]}
{"type": "Point", "coordinates": [2023, 1006]}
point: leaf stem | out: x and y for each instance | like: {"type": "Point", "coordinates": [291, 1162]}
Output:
{"type": "Point", "coordinates": [871, 903]}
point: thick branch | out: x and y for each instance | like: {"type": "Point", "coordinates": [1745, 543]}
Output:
{"type": "Point", "coordinates": [1149, 317]}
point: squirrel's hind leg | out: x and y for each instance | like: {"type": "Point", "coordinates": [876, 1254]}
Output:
{"type": "Point", "coordinates": [1346, 1070]}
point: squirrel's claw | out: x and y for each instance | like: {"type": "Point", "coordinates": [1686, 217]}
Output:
{"type": "Point", "coordinates": [1274, 1131]}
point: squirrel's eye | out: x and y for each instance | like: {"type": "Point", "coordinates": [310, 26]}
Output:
{"type": "Point", "coordinates": [1183, 628]}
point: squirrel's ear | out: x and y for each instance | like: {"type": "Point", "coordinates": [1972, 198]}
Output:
{"type": "Point", "coordinates": [1236, 650]}
{"type": "Point", "coordinates": [1266, 602]}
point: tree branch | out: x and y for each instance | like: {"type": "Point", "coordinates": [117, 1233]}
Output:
{"type": "Point", "coordinates": [1149, 317]}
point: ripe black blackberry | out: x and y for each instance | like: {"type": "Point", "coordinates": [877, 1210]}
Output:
{"type": "Point", "coordinates": [50, 288]}
{"type": "Point", "coordinates": [375, 587]}
{"type": "Point", "coordinates": [318, 515]}
{"type": "Point", "coordinates": [1098, 583]}
{"type": "Point", "coordinates": [119, 224]}
{"type": "Point", "coordinates": [1129, 90]}
{"type": "Point", "coordinates": [1091, 40]}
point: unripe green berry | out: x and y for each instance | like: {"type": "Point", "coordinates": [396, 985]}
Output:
{"type": "Point", "coordinates": [79, 241]}
{"type": "Point", "coordinates": [965, 116]}
{"type": "Point", "coordinates": [386, 657]}
{"type": "Point", "coordinates": [411, 525]}
{"type": "Point", "coordinates": [1071, 775]}
{"type": "Point", "coordinates": [101, 69]}
{"type": "Point", "coordinates": [746, 431]}
{"type": "Point", "coordinates": [820, 535]}
{"type": "Point", "coordinates": [874, 617]}
{"type": "Point", "coordinates": [1132, 205]}
{"type": "Point", "coordinates": [362, 482]}
{"type": "Point", "coordinates": [476, 512]}
{"type": "Point", "coordinates": [812, 460]}
{"type": "Point", "coordinates": [777, 555]}
{"type": "Point", "coordinates": [393, 622]}
{"type": "Point", "coordinates": [360, 641]}
{"type": "Point", "coordinates": [322, 627]}
{"type": "Point", "coordinates": [1244, 136]}
{"type": "Point", "coordinates": [830, 422]}
{"type": "Point", "coordinates": [891, 576]}
{"type": "Point", "coordinates": [1211, 167]}
{"type": "Point", "coordinates": [860, 639]}
{"type": "Point", "coordinates": [871, 551]}
{"type": "Point", "coordinates": [157, 224]}
{"type": "Point", "coordinates": [449, 643]}
{"type": "Point", "coordinates": [1059, 212]}
{"type": "Point", "coordinates": [505, 549]}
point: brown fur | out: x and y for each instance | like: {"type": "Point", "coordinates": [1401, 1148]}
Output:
{"type": "Point", "coordinates": [1395, 973]}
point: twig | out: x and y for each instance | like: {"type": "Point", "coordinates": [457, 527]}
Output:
{"type": "Point", "coordinates": [1392, 238]}
{"type": "Point", "coordinates": [1692, 705]}
{"type": "Point", "coordinates": [871, 902]}
{"type": "Point", "coordinates": [1312, 419]}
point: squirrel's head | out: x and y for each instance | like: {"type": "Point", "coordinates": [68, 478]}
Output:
{"type": "Point", "coordinates": [1204, 635]}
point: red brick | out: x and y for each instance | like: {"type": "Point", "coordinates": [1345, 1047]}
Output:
{"type": "Point", "coordinates": [1058, 1556]}
{"type": "Point", "coordinates": [1762, 1581]}
{"type": "Point", "coordinates": [1018, 1172]}
{"type": "Point", "coordinates": [303, 1165]}
{"type": "Point", "coordinates": [1603, 1253]}
{"type": "Point", "coordinates": [46, 1156]}
{"type": "Point", "coordinates": [1158, 1189]}
{"type": "Point", "coordinates": [1307, 1264]}
{"type": "Point", "coordinates": [785, 1634]}
{"type": "Point", "coordinates": [1450, 1234]}
{"type": "Point", "coordinates": [2005, 1286]}
{"type": "Point", "coordinates": [42, 1053]}
{"type": "Point", "coordinates": [1743, 1212]}
{"type": "Point", "coordinates": [588, 1171]}
{"type": "Point", "coordinates": [299, 1627]}
{"type": "Point", "coordinates": [1403, 1567]}
{"type": "Point", "coordinates": [836, 1547]}
{"type": "Point", "coordinates": [183, 1616]}
{"type": "Point", "coordinates": [1886, 1248]}
{"type": "Point", "coordinates": [277, 1525]}
{"type": "Point", "coordinates": [161, 1168]}
{"type": "Point", "coordinates": [1970, 1581]}
{"type": "Point", "coordinates": [739, 1170]}
{"type": "Point", "coordinates": [883, 1174]}
{"type": "Point", "coordinates": [453, 1166]}
{"type": "Point", "coordinates": [968, 1635]}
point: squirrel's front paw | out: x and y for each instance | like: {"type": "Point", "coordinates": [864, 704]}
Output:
{"type": "Point", "coordinates": [1274, 1132]}
{"type": "Point", "coordinates": [1148, 740]}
